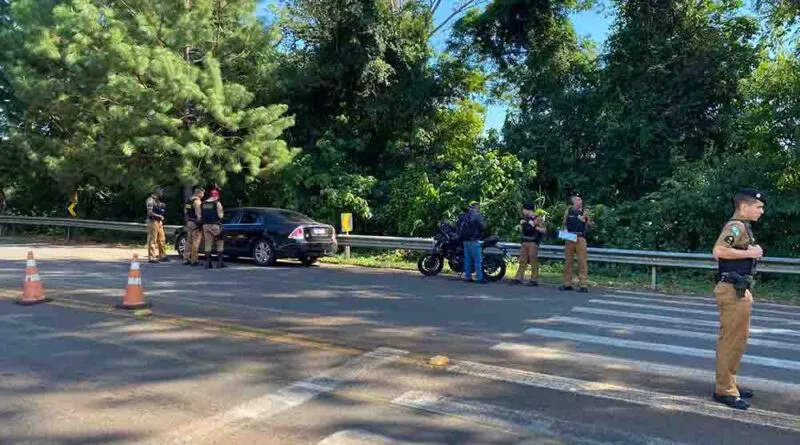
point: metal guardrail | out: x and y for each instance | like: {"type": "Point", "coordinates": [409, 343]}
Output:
{"type": "Point", "coordinates": [653, 259]}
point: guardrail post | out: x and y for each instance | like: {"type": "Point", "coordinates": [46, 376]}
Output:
{"type": "Point", "coordinates": [653, 277]}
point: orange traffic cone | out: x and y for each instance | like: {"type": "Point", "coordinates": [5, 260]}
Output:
{"type": "Point", "coordinates": [32, 290]}
{"type": "Point", "coordinates": [134, 295]}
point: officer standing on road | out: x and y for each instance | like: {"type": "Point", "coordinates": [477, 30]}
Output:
{"type": "Point", "coordinates": [576, 221]}
{"type": "Point", "coordinates": [192, 215]}
{"type": "Point", "coordinates": [156, 240]}
{"type": "Point", "coordinates": [737, 253]}
{"type": "Point", "coordinates": [533, 229]}
{"type": "Point", "coordinates": [212, 227]}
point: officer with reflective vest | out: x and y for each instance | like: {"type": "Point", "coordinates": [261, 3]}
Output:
{"type": "Point", "coordinates": [576, 221]}
{"type": "Point", "coordinates": [212, 227]}
{"type": "Point", "coordinates": [737, 254]}
{"type": "Point", "coordinates": [192, 215]}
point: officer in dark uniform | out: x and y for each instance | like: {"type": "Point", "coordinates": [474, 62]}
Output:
{"type": "Point", "coordinates": [192, 215]}
{"type": "Point", "coordinates": [737, 254]}
{"type": "Point", "coordinates": [212, 227]}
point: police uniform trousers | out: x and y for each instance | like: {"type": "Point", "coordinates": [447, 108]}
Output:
{"type": "Point", "coordinates": [156, 240]}
{"type": "Point", "coordinates": [193, 234]}
{"type": "Point", "coordinates": [570, 250]}
{"type": "Point", "coordinates": [211, 233]}
{"type": "Point", "coordinates": [734, 329]}
{"type": "Point", "coordinates": [528, 254]}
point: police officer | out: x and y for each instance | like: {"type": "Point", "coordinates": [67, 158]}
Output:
{"type": "Point", "coordinates": [576, 221]}
{"type": "Point", "coordinates": [737, 253]}
{"type": "Point", "coordinates": [212, 227]}
{"type": "Point", "coordinates": [533, 229]}
{"type": "Point", "coordinates": [156, 239]}
{"type": "Point", "coordinates": [192, 215]}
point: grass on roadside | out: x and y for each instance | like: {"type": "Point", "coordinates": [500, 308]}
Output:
{"type": "Point", "coordinates": [770, 287]}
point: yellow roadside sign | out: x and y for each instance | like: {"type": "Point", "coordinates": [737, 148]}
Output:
{"type": "Point", "coordinates": [72, 203]}
{"type": "Point", "coordinates": [347, 222]}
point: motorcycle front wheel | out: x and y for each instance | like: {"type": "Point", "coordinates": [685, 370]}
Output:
{"type": "Point", "coordinates": [494, 268]}
{"type": "Point", "coordinates": [430, 265]}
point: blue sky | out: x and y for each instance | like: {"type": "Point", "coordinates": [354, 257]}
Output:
{"type": "Point", "coordinates": [594, 23]}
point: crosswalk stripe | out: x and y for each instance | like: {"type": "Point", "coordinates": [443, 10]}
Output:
{"type": "Point", "coordinates": [657, 369]}
{"type": "Point", "coordinates": [690, 311]}
{"type": "Point", "coordinates": [630, 395]}
{"type": "Point", "coordinates": [660, 347]}
{"type": "Point", "coordinates": [524, 421]}
{"type": "Point", "coordinates": [361, 437]}
{"type": "Point", "coordinates": [666, 331]}
{"type": "Point", "coordinates": [756, 306]}
{"type": "Point", "coordinates": [680, 321]}
{"type": "Point", "coordinates": [659, 297]}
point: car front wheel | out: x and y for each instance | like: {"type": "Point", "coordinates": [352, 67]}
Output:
{"type": "Point", "coordinates": [264, 253]}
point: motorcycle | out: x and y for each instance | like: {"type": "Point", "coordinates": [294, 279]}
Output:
{"type": "Point", "coordinates": [447, 245]}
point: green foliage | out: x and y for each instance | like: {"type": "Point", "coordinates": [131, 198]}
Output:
{"type": "Point", "coordinates": [115, 96]}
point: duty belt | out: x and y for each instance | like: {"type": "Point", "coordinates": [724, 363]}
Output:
{"type": "Point", "coordinates": [740, 282]}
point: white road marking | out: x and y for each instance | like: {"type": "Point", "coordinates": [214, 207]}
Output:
{"type": "Point", "coordinates": [524, 421]}
{"type": "Point", "coordinates": [650, 399]}
{"type": "Point", "coordinates": [690, 311]}
{"type": "Point", "coordinates": [656, 369]}
{"type": "Point", "coordinates": [660, 347]}
{"type": "Point", "coordinates": [680, 321]}
{"type": "Point", "coordinates": [786, 307]}
{"type": "Point", "coordinates": [666, 331]}
{"type": "Point", "coordinates": [284, 399]}
{"type": "Point", "coordinates": [361, 437]}
{"type": "Point", "coordinates": [756, 306]}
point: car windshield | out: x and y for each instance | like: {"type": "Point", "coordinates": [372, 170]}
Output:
{"type": "Point", "coordinates": [290, 216]}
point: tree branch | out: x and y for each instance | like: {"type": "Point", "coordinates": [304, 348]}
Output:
{"type": "Point", "coordinates": [467, 4]}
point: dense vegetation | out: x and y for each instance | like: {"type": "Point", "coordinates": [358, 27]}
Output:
{"type": "Point", "coordinates": [345, 105]}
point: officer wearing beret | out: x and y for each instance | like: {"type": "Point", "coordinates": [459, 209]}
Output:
{"type": "Point", "coordinates": [737, 254]}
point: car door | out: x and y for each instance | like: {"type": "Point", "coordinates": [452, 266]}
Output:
{"type": "Point", "coordinates": [230, 228]}
{"type": "Point", "coordinates": [248, 230]}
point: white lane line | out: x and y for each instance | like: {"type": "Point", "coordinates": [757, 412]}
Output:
{"type": "Point", "coordinates": [655, 400]}
{"type": "Point", "coordinates": [679, 320]}
{"type": "Point", "coordinates": [785, 307]}
{"type": "Point", "coordinates": [756, 306]}
{"type": "Point", "coordinates": [690, 311]}
{"type": "Point", "coordinates": [658, 369]}
{"type": "Point", "coordinates": [660, 347]}
{"type": "Point", "coordinates": [666, 331]}
{"type": "Point", "coordinates": [284, 399]}
{"type": "Point", "coordinates": [361, 437]}
{"type": "Point", "coordinates": [524, 421]}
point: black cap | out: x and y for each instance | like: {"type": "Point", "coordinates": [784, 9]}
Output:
{"type": "Point", "coordinates": [753, 193]}
{"type": "Point", "coordinates": [528, 206]}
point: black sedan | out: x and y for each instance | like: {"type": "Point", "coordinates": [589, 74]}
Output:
{"type": "Point", "coordinates": [268, 234]}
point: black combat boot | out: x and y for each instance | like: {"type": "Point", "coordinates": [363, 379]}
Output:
{"type": "Point", "coordinates": [208, 261]}
{"type": "Point", "coordinates": [220, 264]}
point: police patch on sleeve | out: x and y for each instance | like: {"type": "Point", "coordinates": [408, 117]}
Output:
{"type": "Point", "coordinates": [736, 232]}
{"type": "Point", "coordinates": [729, 240]}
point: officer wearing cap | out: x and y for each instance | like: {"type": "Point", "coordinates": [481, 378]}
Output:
{"type": "Point", "coordinates": [737, 254]}
{"type": "Point", "coordinates": [212, 227]}
{"type": "Point", "coordinates": [576, 221]}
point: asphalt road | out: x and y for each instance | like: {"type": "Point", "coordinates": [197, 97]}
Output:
{"type": "Point", "coordinates": [336, 355]}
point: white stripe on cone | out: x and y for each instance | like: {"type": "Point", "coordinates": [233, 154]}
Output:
{"type": "Point", "coordinates": [34, 277]}
{"type": "Point", "coordinates": [134, 281]}
{"type": "Point", "coordinates": [134, 266]}
{"type": "Point", "coordinates": [30, 263]}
